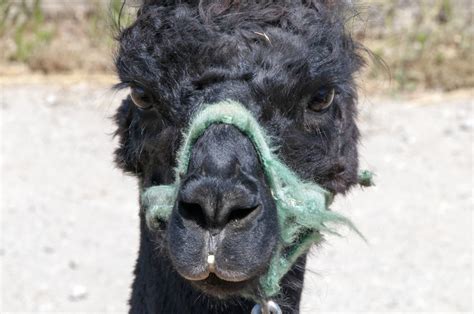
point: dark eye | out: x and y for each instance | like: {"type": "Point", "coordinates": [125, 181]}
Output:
{"type": "Point", "coordinates": [322, 100]}
{"type": "Point", "coordinates": [140, 98]}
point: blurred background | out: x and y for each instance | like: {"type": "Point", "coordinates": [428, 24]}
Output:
{"type": "Point", "coordinates": [69, 227]}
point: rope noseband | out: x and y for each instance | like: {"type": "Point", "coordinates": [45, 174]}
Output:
{"type": "Point", "coordinates": [302, 207]}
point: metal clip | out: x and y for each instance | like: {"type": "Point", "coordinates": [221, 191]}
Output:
{"type": "Point", "coordinates": [269, 307]}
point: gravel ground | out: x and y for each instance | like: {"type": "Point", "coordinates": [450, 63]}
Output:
{"type": "Point", "coordinates": [69, 219]}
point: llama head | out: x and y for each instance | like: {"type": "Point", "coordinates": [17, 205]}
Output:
{"type": "Point", "coordinates": [291, 64]}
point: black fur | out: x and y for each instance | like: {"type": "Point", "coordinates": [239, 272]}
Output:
{"type": "Point", "coordinates": [275, 57]}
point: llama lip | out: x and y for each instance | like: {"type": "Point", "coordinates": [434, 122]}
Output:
{"type": "Point", "coordinates": [210, 268]}
{"type": "Point", "coordinates": [226, 276]}
{"type": "Point", "coordinates": [219, 287]}
{"type": "Point", "coordinates": [212, 271]}
{"type": "Point", "coordinates": [229, 277]}
{"type": "Point", "coordinates": [196, 277]}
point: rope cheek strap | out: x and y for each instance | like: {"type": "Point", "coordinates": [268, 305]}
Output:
{"type": "Point", "coordinates": [302, 206]}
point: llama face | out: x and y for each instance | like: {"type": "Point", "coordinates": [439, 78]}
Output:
{"type": "Point", "coordinates": [291, 65]}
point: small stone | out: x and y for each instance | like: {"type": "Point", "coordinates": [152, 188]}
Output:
{"type": "Point", "coordinates": [51, 99]}
{"type": "Point", "coordinates": [48, 249]}
{"type": "Point", "coordinates": [73, 265]}
{"type": "Point", "coordinates": [408, 139]}
{"type": "Point", "coordinates": [448, 132]}
{"type": "Point", "coordinates": [78, 293]}
{"type": "Point", "coordinates": [467, 125]}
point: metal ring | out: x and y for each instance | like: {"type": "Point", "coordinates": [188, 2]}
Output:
{"type": "Point", "coordinates": [257, 309]}
{"type": "Point", "coordinates": [270, 307]}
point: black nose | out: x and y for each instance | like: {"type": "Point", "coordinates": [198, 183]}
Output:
{"type": "Point", "coordinates": [223, 180]}
{"type": "Point", "coordinates": [213, 203]}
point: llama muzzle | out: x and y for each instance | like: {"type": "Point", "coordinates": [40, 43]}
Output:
{"type": "Point", "coordinates": [302, 207]}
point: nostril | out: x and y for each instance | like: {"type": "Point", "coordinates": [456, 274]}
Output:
{"type": "Point", "coordinates": [238, 214]}
{"type": "Point", "coordinates": [193, 212]}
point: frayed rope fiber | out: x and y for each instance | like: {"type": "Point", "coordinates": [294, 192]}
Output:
{"type": "Point", "coordinates": [302, 206]}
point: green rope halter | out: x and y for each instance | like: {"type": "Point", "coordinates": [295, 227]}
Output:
{"type": "Point", "coordinates": [302, 206]}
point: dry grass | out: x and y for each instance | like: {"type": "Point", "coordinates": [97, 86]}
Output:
{"type": "Point", "coordinates": [51, 36]}
{"type": "Point", "coordinates": [426, 44]}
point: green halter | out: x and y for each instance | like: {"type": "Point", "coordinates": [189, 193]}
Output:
{"type": "Point", "coordinates": [302, 206]}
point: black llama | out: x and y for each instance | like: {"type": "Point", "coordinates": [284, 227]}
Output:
{"type": "Point", "coordinates": [291, 63]}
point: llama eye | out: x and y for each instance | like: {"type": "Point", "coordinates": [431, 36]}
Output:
{"type": "Point", "coordinates": [140, 98]}
{"type": "Point", "coordinates": [323, 99]}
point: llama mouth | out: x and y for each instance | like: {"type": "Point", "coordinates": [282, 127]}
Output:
{"type": "Point", "coordinates": [227, 276]}
{"type": "Point", "coordinates": [216, 286]}
{"type": "Point", "coordinates": [221, 275]}
{"type": "Point", "coordinates": [211, 270]}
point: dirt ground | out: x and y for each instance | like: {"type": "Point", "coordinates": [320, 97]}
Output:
{"type": "Point", "coordinates": [69, 219]}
